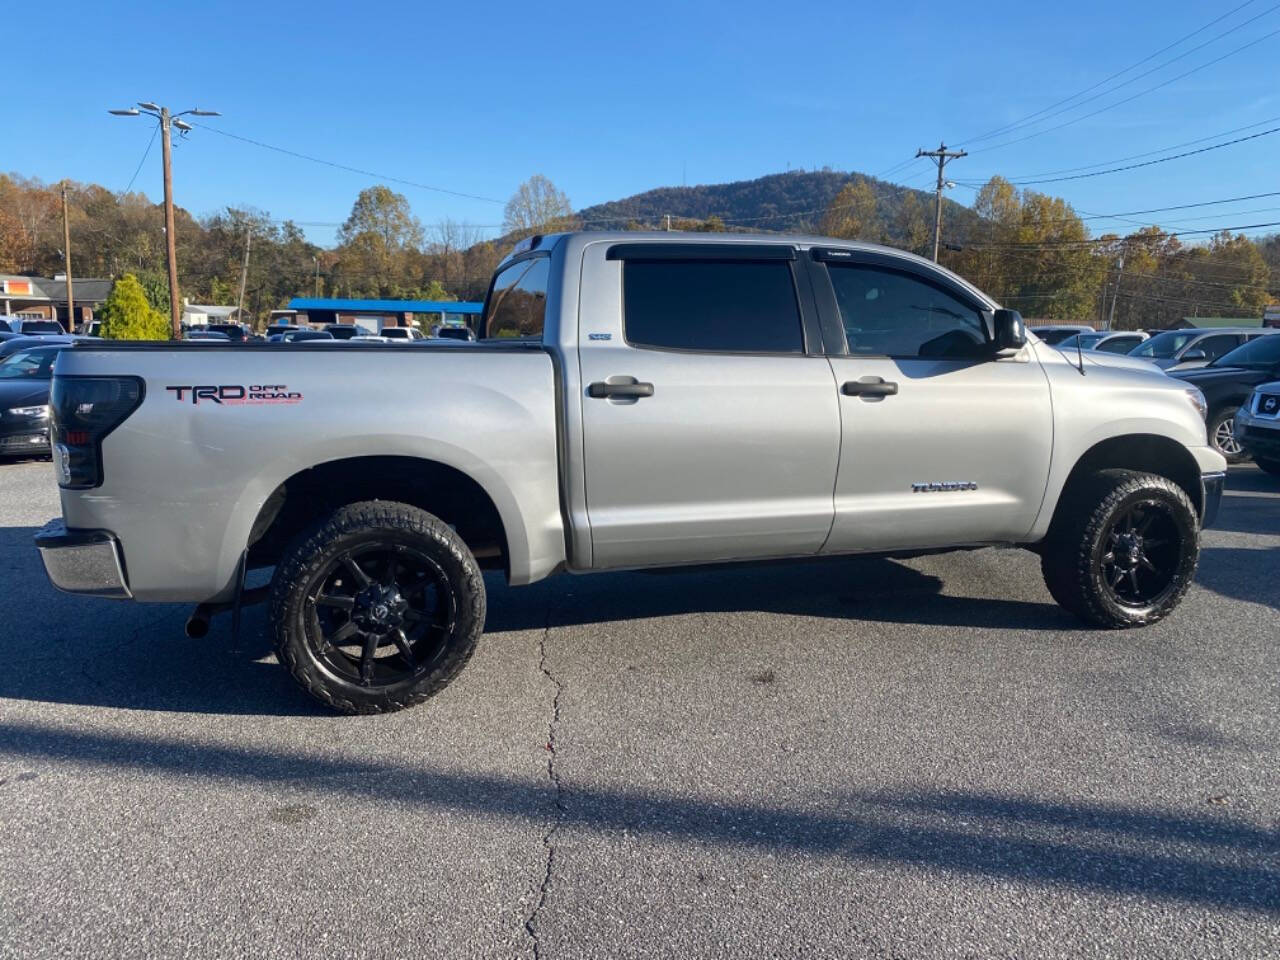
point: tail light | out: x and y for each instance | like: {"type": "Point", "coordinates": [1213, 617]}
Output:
{"type": "Point", "coordinates": [86, 409]}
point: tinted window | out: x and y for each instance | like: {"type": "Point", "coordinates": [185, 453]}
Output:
{"type": "Point", "coordinates": [1163, 345]}
{"type": "Point", "coordinates": [1262, 353]}
{"type": "Point", "coordinates": [29, 365]}
{"type": "Point", "coordinates": [42, 326]}
{"type": "Point", "coordinates": [1215, 347]}
{"type": "Point", "coordinates": [895, 314]}
{"type": "Point", "coordinates": [1118, 344]}
{"type": "Point", "coordinates": [517, 304]}
{"type": "Point", "coordinates": [713, 306]}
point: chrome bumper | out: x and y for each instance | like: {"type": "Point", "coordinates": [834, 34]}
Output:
{"type": "Point", "coordinates": [82, 561]}
{"type": "Point", "coordinates": [1212, 484]}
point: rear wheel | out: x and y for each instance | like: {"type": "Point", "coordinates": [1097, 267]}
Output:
{"type": "Point", "coordinates": [1222, 434]}
{"type": "Point", "coordinates": [377, 607]}
{"type": "Point", "coordinates": [1123, 550]}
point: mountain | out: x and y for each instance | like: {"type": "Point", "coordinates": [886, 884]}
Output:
{"type": "Point", "coordinates": [792, 202]}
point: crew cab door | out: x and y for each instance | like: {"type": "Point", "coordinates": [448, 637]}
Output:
{"type": "Point", "coordinates": [711, 427]}
{"type": "Point", "coordinates": [943, 443]}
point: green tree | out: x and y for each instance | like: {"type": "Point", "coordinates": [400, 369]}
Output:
{"type": "Point", "coordinates": [126, 314]}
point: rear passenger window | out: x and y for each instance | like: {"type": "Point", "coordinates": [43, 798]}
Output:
{"type": "Point", "coordinates": [517, 304]}
{"type": "Point", "coordinates": [711, 306]}
{"type": "Point", "coordinates": [894, 314]}
{"type": "Point", "coordinates": [1214, 347]}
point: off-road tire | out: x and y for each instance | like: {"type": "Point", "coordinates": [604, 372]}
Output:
{"type": "Point", "coordinates": [1270, 466]}
{"type": "Point", "coordinates": [346, 527]}
{"type": "Point", "coordinates": [1071, 556]}
{"type": "Point", "coordinates": [1214, 424]}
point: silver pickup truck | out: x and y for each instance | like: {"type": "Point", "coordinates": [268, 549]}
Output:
{"type": "Point", "coordinates": [635, 400]}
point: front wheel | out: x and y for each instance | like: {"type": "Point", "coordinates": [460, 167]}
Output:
{"type": "Point", "coordinates": [1222, 434]}
{"type": "Point", "coordinates": [1123, 550]}
{"type": "Point", "coordinates": [377, 607]}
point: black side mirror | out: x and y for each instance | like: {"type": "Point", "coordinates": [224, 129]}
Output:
{"type": "Point", "coordinates": [1010, 331]}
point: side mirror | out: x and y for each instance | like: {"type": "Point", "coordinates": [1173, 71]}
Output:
{"type": "Point", "coordinates": [1193, 355]}
{"type": "Point", "coordinates": [1010, 331]}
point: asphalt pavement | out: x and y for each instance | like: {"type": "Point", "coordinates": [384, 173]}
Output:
{"type": "Point", "coordinates": [854, 758]}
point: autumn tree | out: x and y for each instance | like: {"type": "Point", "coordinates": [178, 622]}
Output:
{"type": "Point", "coordinates": [126, 314]}
{"type": "Point", "coordinates": [914, 230]}
{"type": "Point", "coordinates": [852, 214]}
{"type": "Point", "coordinates": [538, 206]}
{"type": "Point", "coordinates": [377, 242]}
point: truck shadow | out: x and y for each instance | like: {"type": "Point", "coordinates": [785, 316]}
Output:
{"type": "Point", "coordinates": [1178, 856]}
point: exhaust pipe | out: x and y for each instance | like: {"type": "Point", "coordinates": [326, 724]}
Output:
{"type": "Point", "coordinates": [198, 623]}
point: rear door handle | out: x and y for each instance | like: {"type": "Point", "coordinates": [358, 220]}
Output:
{"type": "Point", "coordinates": [869, 387]}
{"type": "Point", "coordinates": [603, 389]}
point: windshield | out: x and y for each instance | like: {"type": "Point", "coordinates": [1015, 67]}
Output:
{"type": "Point", "coordinates": [1053, 337]}
{"type": "Point", "coordinates": [29, 365]}
{"type": "Point", "coordinates": [1165, 345]}
{"type": "Point", "coordinates": [1260, 354]}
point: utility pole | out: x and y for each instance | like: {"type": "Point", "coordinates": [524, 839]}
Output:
{"type": "Point", "coordinates": [1115, 294]}
{"type": "Point", "coordinates": [941, 156]}
{"type": "Point", "coordinates": [66, 253]}
{"type": "Point", "coordinates": [244, 274]}
{"type": "Point", "coordinates": [668, 223]}
{"type": "Point", "coordinates": [317, 262]}
{"type": "Point", "coordinates": [167, 120]}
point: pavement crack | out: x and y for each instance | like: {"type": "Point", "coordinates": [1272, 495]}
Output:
{"type": "Point", "coordinates": [553, 775]}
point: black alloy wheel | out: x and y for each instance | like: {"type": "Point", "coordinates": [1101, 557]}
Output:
{"type": "Point", "coordinates": [377, 607]}
{"type": "Point", "coordinates": [380, 614]}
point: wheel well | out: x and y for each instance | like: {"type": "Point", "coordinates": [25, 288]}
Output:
{"type": "Point", "coordinates": [1146, 453]}
{"type": "Point", "coordinates": [311, 494]}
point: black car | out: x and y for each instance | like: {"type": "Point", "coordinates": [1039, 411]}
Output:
{"type": "Point", "coordinates": [233, 331]}
{"type": "Point", "coordinates": [1258, 427]}
{"type": "Point", "coordinates": [24, 400]}
{"type": "Point", "coordinates": [1227, 382]}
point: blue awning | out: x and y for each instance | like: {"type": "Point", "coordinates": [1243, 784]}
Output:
{"type": "Point", "coordinates": [387, 306]}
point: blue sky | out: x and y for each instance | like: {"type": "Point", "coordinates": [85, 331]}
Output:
{"type": "Point", "coordinates": [612, 99]}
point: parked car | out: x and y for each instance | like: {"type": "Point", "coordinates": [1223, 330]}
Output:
{"type": "Point", "coordinates": [370, 338]}
{"type": "Point", "coordinates": [302, 336]}
{"type": "Point", "coordinates": [4, 326]}
{"type": "Point", "coordinates": [1257, 426]}
{"type": "Point", "coordinates": [1105, 341]}
{"type": "Point", "coordinates": [216, 336]}
{"type": "Point", "coordinates": [452, 331]}
{"type": "Point", "coordinates": [234, 332]}
{"type": "Point", "coordinates": [1227, 382]}
{"type": "Point", "coordinates": [37, 328]}
{"type": "Point", "coordinates": [277, 329]}
{"type": "Point", "coordinates": [1188, 349]}
{"type": "Point", "coordinates": [24, 399]}
{"type": "Point", "coordinates": [639, 400]}
{"type": "Point", "coordinates": [345, 331]}
{"type": "Point", "coordinates": [91, 329]}
{"type": "Point", "coordinates": [8, 335]}
{"type": "Point", "coordinates": [401, 334]}
{"type": "Point", "coordinates": [21, 342]}
{"type": "Point", "coordinates": [1055, 333]}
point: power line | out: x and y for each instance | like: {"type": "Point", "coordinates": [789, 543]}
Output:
{"type": "Point", "coordinates": [1100, 240]}
{"type": "Point", "coordinates": [1045, 113]}
{"type": "Point", "coordinates": [1136, 156]}
{"type": "Point", "coordinates": [1149, 163]}
{"type": "Point", "coordinates": [145, 153]}
{"type": "Point", "coordinates": [349, 169]}
{"type": "Point", "coordinates": [1129, 99]}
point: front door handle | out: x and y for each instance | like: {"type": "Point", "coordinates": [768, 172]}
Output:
{"type": "Point", "coordinates": [603, 389]}
{"type": "Point", "coordinates": [869, 387]}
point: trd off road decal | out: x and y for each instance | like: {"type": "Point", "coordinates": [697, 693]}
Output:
{"type": "Point", "coordinates": [234, 394]}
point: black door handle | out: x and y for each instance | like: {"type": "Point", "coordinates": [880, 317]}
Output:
{"type": "Point", "coordinates": [869, 387]}
{"type": "Point", "coordinates": [601, 389]}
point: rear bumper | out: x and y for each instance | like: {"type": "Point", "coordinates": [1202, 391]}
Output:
{"type": "Point", "coordinates": [1211, 484]}
{"type": "Point", "coordinates": [87, 562]}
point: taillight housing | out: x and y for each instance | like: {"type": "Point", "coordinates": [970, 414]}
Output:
{"type": "Point", "coordinates": [84, 410]}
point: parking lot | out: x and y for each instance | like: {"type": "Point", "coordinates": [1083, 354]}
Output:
{"type": "Point", "coordinates": [861, 757]}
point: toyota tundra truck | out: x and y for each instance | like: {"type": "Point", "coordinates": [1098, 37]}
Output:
{"type": "Point", "coordinates": [634, 401]}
